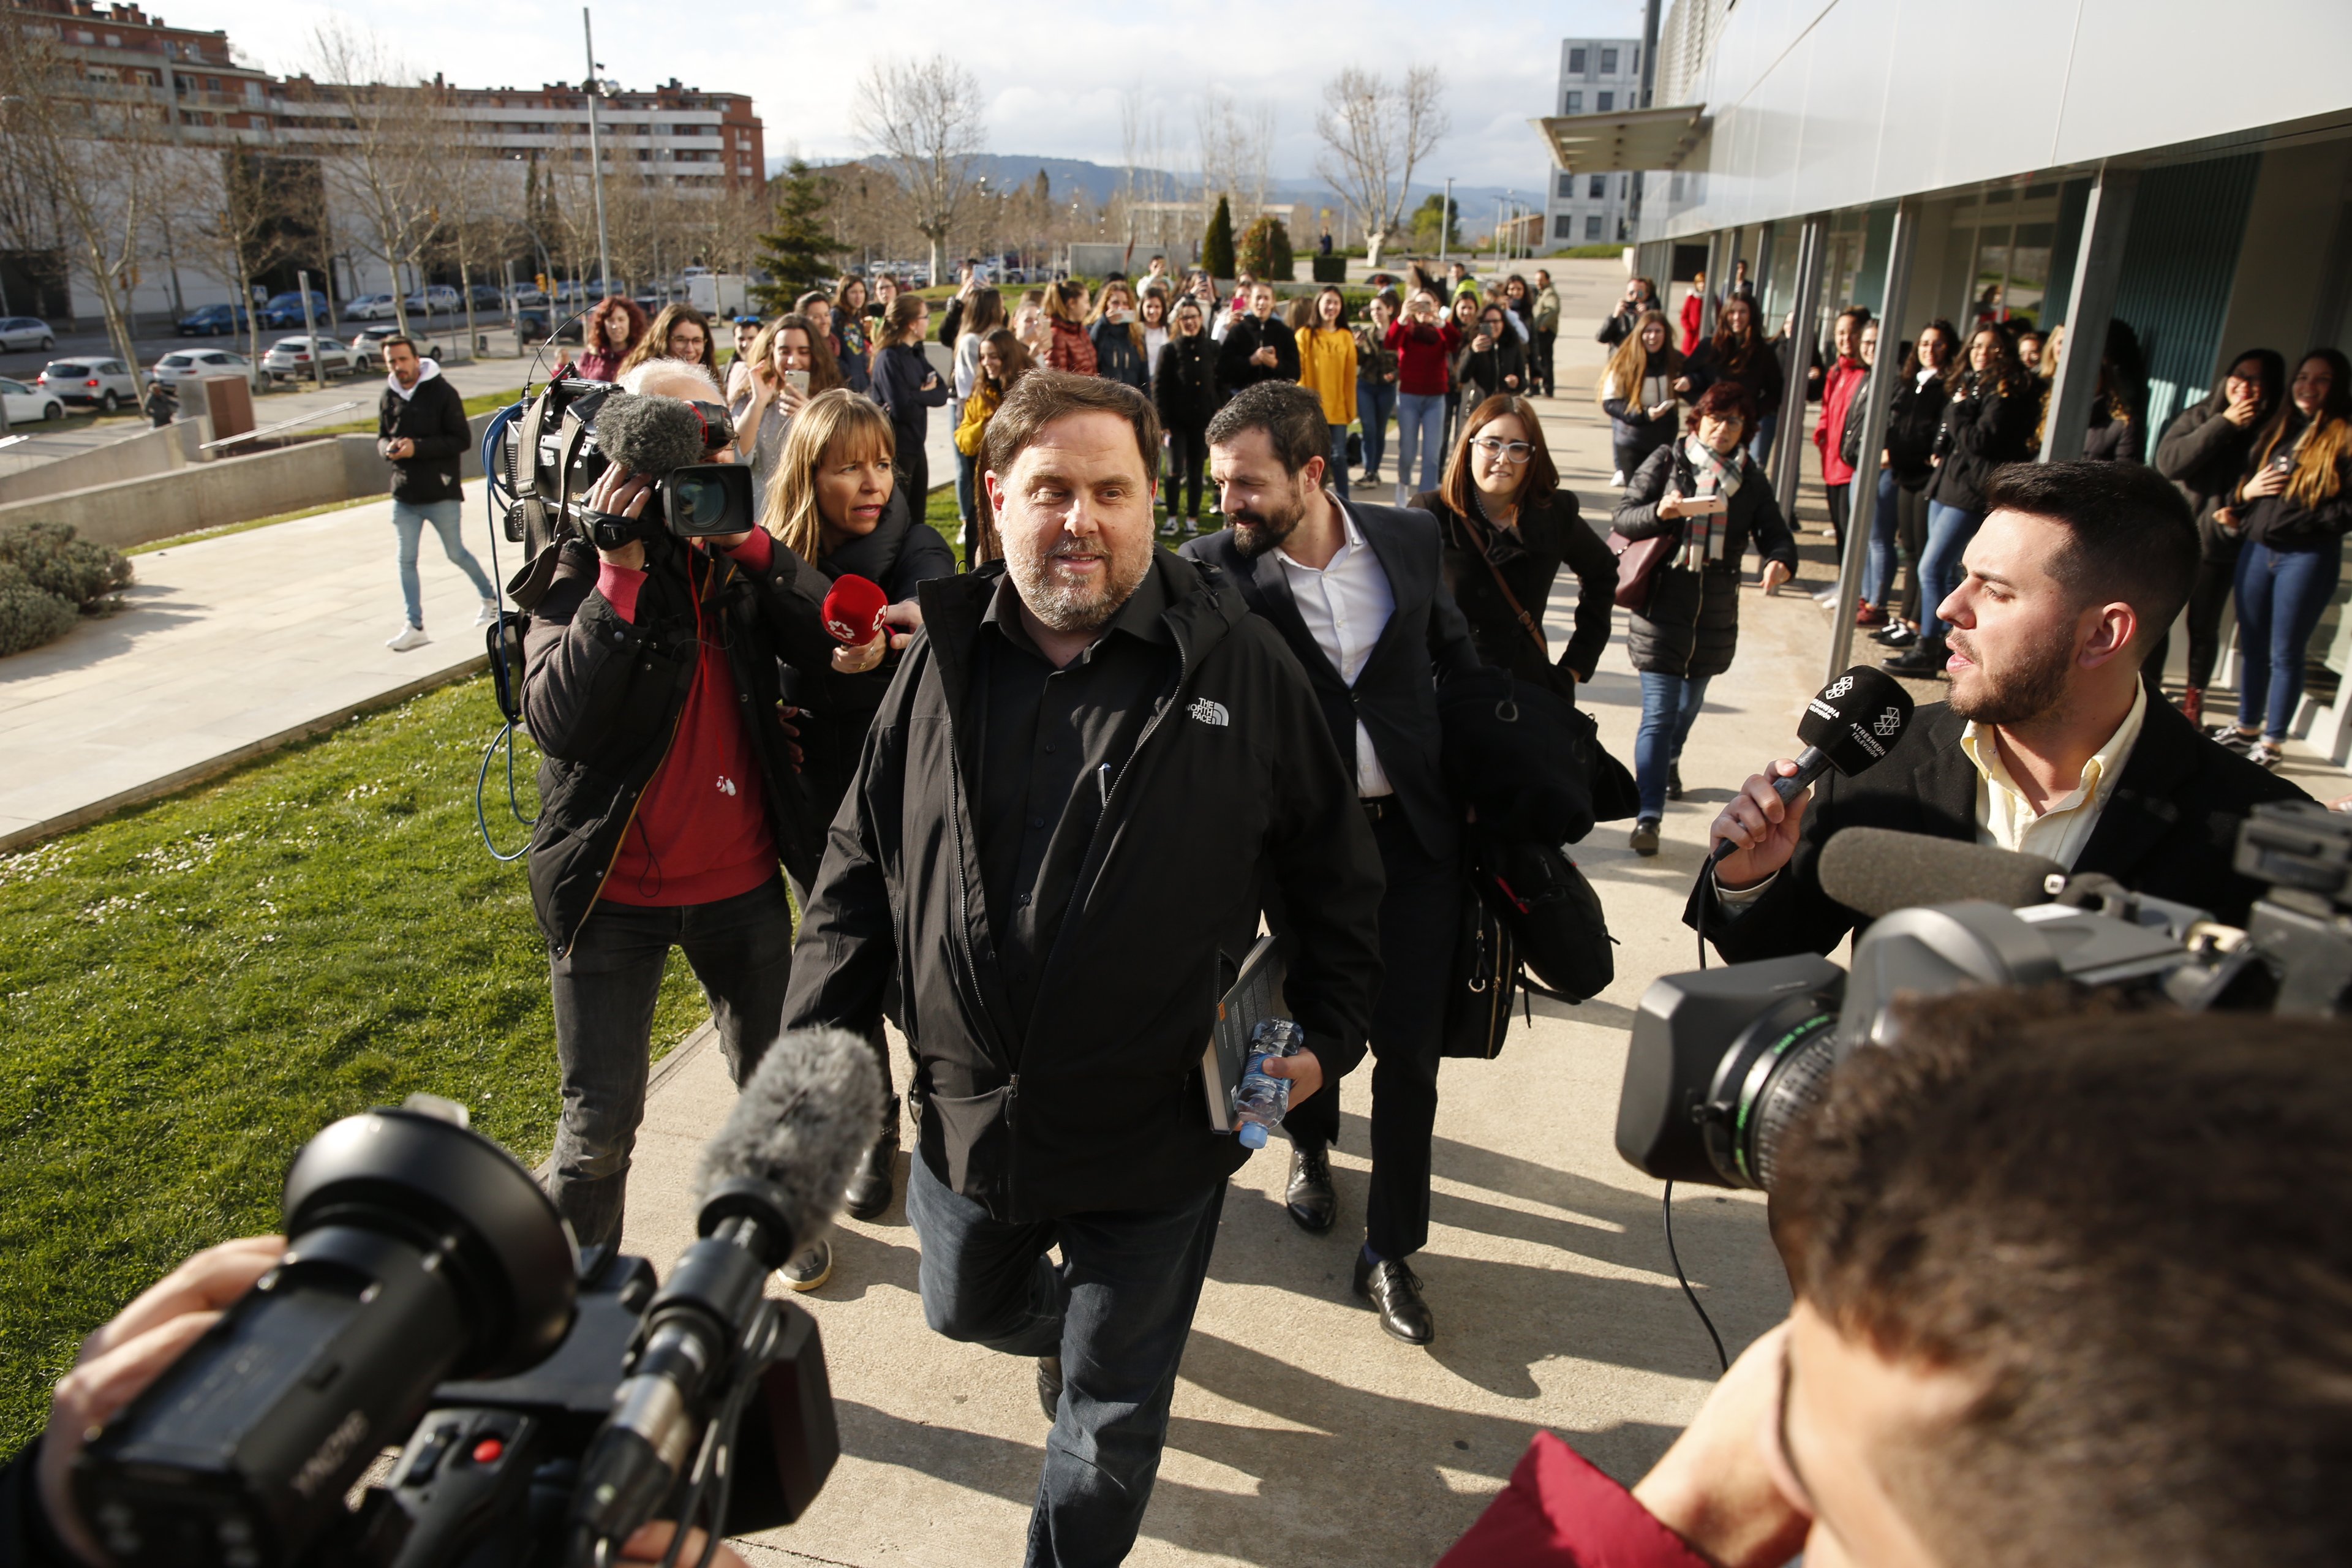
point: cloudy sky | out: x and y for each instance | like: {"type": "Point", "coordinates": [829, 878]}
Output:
{"type": "Point", "coordinates": [1053, 75]}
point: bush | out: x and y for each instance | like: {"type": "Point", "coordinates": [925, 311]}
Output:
{"type": "Point", "coordinates": [1217, 245]}
{"type": "Point", "coordinates": [47, 577]}
{"type": "Point", "coordinates": [1331, 268]}
{"type": "Point", "coordinates": [1265, 250]}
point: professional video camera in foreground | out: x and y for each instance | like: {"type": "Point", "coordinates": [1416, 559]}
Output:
{"type": "Point", "coordinates": [1722, 1061]}
{"type": "Point", "coordinates": [551, 1405]}
{"type": "Point", "coordinates": [574, 431]}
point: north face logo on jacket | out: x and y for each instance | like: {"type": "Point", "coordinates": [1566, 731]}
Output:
{"type": "Point", "coordinates": [1209, 712]}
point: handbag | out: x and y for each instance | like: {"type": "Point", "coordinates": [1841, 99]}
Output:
{"type": "Point", "coordinates": [1355, 448]}
{"type": "Point", "coordinates": [1483, 981]}
{"type": "Point", "coordinates": [1558, 931]}
{"type": "Point", "coordinates": [1638, 561]}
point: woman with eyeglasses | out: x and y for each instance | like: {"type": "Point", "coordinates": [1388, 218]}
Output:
{"type": "Point", "coordinates": [1506, 527]}
{"type": "Point", "coordinates": [1713, 501]}
{"type": "Point", "coordinates": [681, 332]}
{"type": "Point", "coordinates": [1493, 364]}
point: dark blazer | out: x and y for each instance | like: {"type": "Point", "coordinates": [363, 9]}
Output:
{"type": "Point", "coordinates": [2170, 829]}
{"type": "Point", "coordinates": [1394, 694]}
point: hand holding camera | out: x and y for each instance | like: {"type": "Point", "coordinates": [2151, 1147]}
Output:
{"type": "Point", "coordinates": [620, 493]}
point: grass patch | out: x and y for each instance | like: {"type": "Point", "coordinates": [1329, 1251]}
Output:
{"type": "Point", "coordinates": [193, 988]}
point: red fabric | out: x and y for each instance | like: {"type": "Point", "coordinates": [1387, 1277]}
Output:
{"type": "Point", "coordinates": [1561, 1512]}
{"type": "Point", "coordinates": [1692, 310]}
{"type": "Point", "coordinates": [597, 365]}
{"type": "Point", "coordinates": [1422, 354]}
{"type": "Point", "coordinates": [1828, 434]}
{"type": "Point", "coordinates": [1070, 349]}
{"type": "Point", "coordinates": [700, 833]}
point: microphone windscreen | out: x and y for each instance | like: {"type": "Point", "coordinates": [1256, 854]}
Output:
{"type": "Point", "coordinates": [648, 435]}
{"type": "Point", "coordinates": [853, 610]}
{"type": "Point", "coordinates": [1875, 871]}
{"type": "Point", "coordinates": [1856, 719]}
{"type": "Point", "coordinates": [810, 1112]}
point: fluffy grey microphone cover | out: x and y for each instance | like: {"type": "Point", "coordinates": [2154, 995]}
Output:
{"type": "Point", "coordinates": [648, 435]}
{"type": "Point", "coordinates": [811, 1110]}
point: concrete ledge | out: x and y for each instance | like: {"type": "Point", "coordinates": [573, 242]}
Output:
{"type": "Point", "coordinates": [140, 457]}
{"type": "Point", "coordinates": [213, 766]}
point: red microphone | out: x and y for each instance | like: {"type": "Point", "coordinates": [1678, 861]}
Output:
{"type": "Point", "coordinates": [853, 611]}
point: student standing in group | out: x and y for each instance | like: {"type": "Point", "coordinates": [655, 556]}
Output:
{"type": "Point", "coordinates": [2205, 452]}
{"type": "Point", "coordinates": [851, 345]}
{"type": "Point", "coordinates": [1185, 391]}
{"type": "Point", "coordinates": [1257, 347]}
{"type": "Point", "coordinates": [1520, 301]}
{"type": "Point", "coordinates": [1989, 422]}
{"type": "Point", "coordinates": [611, 331]}
{"type": "Point", "coordinates": [980, 311]}
{"type": "Point", "coordinates": [1424, 342]}
{"type": "Point", "coordinates": [906, 385]}
{"type": "Point", "coordinates": [1640, 391]}
{"type": "Point", "coordinates": [1492, 363]}
{"type": "Point", "coordinates": [1899, 532]}
{"type": "Point", "coordinates": [2292, 510]}
{"type": "Point", "coordinates": [1463, 315]}
{"type": "Point", "coordinates": [746, 331]}
{"type": "Point", "coordinates": [1033, 326]}
{"type": "Point", "coordinates": [1845, 375]}
{"type": "Point", "coordinates": [1376, 383]}
{"type": "Point", "coordinates": [817, 306]}
{"type": "Point", "coordinates": [1508, 527]}
{"type": "Point", "coordinates": [1151, 316]}
{"type": "Point", "coordinates": [1202, 291]}
{"type": "Point", "coordinates": [1713, 501]}
{"type": "Point", "coordinates": [790, 363]}
{"type": "Point", "coordinates": [1326, 367]}
{"type": "Point", "coordinates": [1694, 312]}
{"type": "Point", "coordinates": [679, 332]}
{"type": "Point", "coordinates": [1069, 348]}
{"type": "Point", "coordinates": [1641, 295]}
{"type": "Point", "coordinates": [1117, 338]}
{"type": "Point", "coordinates": [1003, 360]}
{"type": "Point", "coordinates": [1738, 352]}
{"type": "Point", "coordinates": [886, 294]}
{"type": "Point", "coordinates": [1546, 321]}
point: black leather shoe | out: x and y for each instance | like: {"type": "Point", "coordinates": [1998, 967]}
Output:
{"type": "Point", "coordinates": [869, 1189]}
{"type": "Point", "coordinates": [1309, 1199]}
{"type": "Point", "coordinates": [1049, 1386]}
{"type": "Point", "coordinates": [1924, 662]}
{"type": "Point", "coordinates": [1394, 1292]}
{"type": "Point", "coordinates": [1674, 781]}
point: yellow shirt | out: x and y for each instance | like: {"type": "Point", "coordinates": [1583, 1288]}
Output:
{"type": "Point", "coordinates": [1326, 367]}
{"type": "Point", "coordinates": [2007, 820]}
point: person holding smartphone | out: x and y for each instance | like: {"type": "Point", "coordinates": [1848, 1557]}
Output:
{"type": "Point", "coordinates": [1709, 496]}
{"type": "Point", "coordinates": [790, 362]}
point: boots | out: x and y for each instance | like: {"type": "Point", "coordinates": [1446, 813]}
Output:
{"type": "Point", "coordinates": [871, 1188]}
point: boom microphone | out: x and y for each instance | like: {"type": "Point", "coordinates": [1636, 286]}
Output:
{"type": "Point", "coordinates": [1875, 871]}
{"type": "Point", "coordinates": [1848, 725]}
{"type": "Point", "coordinates": [654, 436]}
{"type": "Point", "coordinates": [769, 1183]}
{"type": "Point", "coordinates": [853, 610]}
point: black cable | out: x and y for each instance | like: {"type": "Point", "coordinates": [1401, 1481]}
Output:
{"type": "Point", "coordinates": [1688, 1293]}
{"type": "Point", "coordinates": [493, 452]}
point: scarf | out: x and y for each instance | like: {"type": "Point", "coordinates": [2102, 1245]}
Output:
{"type": "Point", "coordinates": [1704, 538]}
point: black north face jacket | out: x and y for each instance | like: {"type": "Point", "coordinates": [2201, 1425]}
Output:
{"type": "Point", "coordinates": [1095, 1101]}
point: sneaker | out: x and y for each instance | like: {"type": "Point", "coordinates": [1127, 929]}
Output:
{"type": "Point", "coordinates": [1869, 615]}
{"type": "Point", "coordinates": [1617, 477]}
{"type": "Point", "coordinates": [1168, 530]}
{"type": "Point", "coordinates": [1645, 838]}
{"type": "Point", "coordinates": [1371, 476]}
{"type": "Point", "coordinates": [1827, 598]}
{"type": "Point", "coordinates": [1897, 635]}
{"type": "Point", "coordinates": [489, 615]}
{"type": "Point", "coordinates": [2229, 738]}
{"type": "Point", "coordinates": [407, 637]}
{"type": "Point", "coordinates": [811, 1267]}
{"type": "Point", "coordinates": [2265, 754]}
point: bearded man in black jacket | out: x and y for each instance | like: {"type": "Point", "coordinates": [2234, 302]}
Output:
{"type": "Point", "coordinates": [1090, 763]}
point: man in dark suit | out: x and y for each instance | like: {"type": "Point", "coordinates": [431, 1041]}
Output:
{"type": "Point", "coordinates": [2050, 743]}
{"type": "Point", "coordinates": [1356, 591]}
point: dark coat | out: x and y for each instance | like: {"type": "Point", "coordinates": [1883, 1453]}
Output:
{"type": "Point", "coordinates": [900, 371]}
{"type": "Point", "coordinates": [1244, 338]}
{"type": "Point", "coordinates": [2114, 435]}
{"type": "Point", "coordinates": [1117, 357]}
{"type": "Point", "coordinates": [2205, 456]}
{"type": "Point", "coordinates": [602, 698]}
{"type": "Point", "coordinates": [1912, 417]}
{"type": "Point", "coordinates": [1185, 390]}
{"type": "Point", "coordinates": [1095, 1101]}
{"type": "Point", "coordinates": [1691, 625]}
{"type": "Point", "coordinates": [2282, 524]}
{"type": "Point", "coordinates": [1618, 325]}
{"type": "Point", "coordinates": [1394, 695]}
{"type": "Point", "coordinates": [1549, 532]}
{"type": "Point", "coordinates": [1629, 421]}
{"type": "Point", "coordinates": [1760, 373]}
{"type": "Point", "coordinates": [1982, 429]}
{"type": "Point", "coordinates": [434, 416]}
{"type": "Point", "coordinates": [1480, 376]}
{"type": "Point", "coordinates": [2170, 829]}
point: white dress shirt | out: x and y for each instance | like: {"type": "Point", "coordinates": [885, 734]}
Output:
{"type": "Point", "coordinates": [2007, 820]}
{"type": "Point", "coordinates": [1346, 607]}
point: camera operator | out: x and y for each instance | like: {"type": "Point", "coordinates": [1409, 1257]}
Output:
{"type": "Point", "coordinates": [39, 1525]}
{"type": "Point", "coordinates": [2048, 745]}
{"type": "Point", "coordinates": [651, 686]}
{"type": "Point", "coordinates": [2032, 1326]}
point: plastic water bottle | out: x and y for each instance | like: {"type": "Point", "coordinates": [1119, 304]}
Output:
{"type": "Point", "coordinates": [1260, 1099]}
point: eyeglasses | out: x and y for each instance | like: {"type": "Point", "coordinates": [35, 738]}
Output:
{"type": "Point", "coordinates": [1513, 452]}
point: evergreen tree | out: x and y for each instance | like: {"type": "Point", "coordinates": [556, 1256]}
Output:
{"type": "Point", "coordinates": [797, 254]}
{"type": "Point", "coordinates": [1265, 250]}
{"type": "Point", "coordinates": [1217, 245]}
{"type": "Point", "coordinates": [1425, 219]}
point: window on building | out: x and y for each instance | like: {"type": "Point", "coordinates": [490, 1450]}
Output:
{"type": "Point", "coordinates": [1593, 226]}
{"type": "Point", "coordinates": [1576, 62]}
{"type": "Point", "coordinates": [1597, 187]}
{"type": "Point", "coordinates": [1632, 60]}
{"type": "Point", "coordinates": [1564, 226]}
{"type": "Point", "coordinates": [1606, 101]}
{"type": "Point", "coordinates": [1575, 104]}
{"type": "Point", "coordinates": [1567, 186]}
{"type": "Point", "coordinates": [1608, 62]}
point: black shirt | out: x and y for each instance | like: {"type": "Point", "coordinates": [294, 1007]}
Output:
{"type": "Point", "coordinates": [1052, 743]}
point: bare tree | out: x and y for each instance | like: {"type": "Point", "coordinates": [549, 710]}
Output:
{"type": "Point", "coordinates": [385, 161]}
{"type": "Point", "coordinates": [1374, 131]}
{"type": "Point", "coordinates": [232, 217]}
{"type": "Point", "coordinates": [924, 118]}
{"type": "Point", "coordinates": [1236, 143]}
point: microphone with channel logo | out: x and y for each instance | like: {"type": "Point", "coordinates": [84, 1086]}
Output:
{"type": "Point", "coordinates": [1849, 725]}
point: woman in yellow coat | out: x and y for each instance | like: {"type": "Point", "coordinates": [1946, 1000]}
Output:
{"type": "Point", "coordinates": [1326, 367]}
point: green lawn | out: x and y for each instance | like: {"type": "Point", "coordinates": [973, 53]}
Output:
{"type": "Point", "coordinates": [193, 988]}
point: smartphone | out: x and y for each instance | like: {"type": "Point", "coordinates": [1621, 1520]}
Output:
{"type": "Point", "coordinates": [798, 379]}
{"type": "Point", "coordinates": [2283, 463]}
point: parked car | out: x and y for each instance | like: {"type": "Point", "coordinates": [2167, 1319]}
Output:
{"type": "Point", "coordinates": [194, 365]}
{"type": "Point", "coordinates": [216, 320]}
{"type": "Point", "coordinates": [434, 300]}
{"type": "Point", "coordinates": [370, 308]}
{"type": "Point", "coordinates": [286, 310]}
{"type": "Point", "coordinates": [487, 296]}
{"type": "Point", "coordinates": [102, 384]}
{"type": "Point", "coordinates": [531, 325]}
{"type": "Point", "coordinates": [26, 404]}
{"type": "Point", "coordinates": [367, 349]}
{"type": "Point", "coordinates": [295, 358]}
{"type": "Point", "coordinates": [25, 332]}
{"type": "Point", "coordinates": [530, 295]}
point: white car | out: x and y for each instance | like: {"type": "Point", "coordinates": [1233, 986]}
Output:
{"type": "Point", "coordinates": [25, 332]}
{"type": "Point", "coordinates": [93, 381]}
{"type": "Point", "coordinates": [194, 365]}
{"type": "Point", "coordinates": [370, 308]}
{"type": "Point", "coordinates": [367, 350]}
{"type": "Point", "coordinates": [26, 403]}
{"type": "Point", "coordinates": [292, 359]}
{"type": "Point", "coordinates": [436, 299]}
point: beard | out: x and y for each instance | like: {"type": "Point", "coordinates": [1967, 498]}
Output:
{"type": "Point", "coordinates": [1255, 533]}
{"type": "Point", "coordinates": [2022, 688]}
{"type": "Point", "coordinates": [1066, 605]}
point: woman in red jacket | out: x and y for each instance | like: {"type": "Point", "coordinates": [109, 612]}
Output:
{"type": "Point", "coordinates": [1838, 392]}
{"type": "Point", "coordinates": [1424, 344]}
{"type": "Point", "coordinates": [1069, 348]}
{"type": "Point", "coordinates": [1694, 311]}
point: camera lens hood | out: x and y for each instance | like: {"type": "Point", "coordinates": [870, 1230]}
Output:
{"type": "Point", "coordinates": [418, 1176]}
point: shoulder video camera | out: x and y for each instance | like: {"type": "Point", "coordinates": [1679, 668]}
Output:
{"type": "Point", "coordinates": [574, 431]}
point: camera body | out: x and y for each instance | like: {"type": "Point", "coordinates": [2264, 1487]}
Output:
{"type": "Point", "coordinates": [1723, 1062]}
{"type": "Point", "coordinates": [564, 442]}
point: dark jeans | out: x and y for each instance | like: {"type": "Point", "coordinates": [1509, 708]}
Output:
{"type": "Point", "coordinates": [1670, 705]}
{"type": "Point", "coordinates": [2208, 593]}
{"type": "Point", "coordinates": [1417, 929]}
{"type": "Point", "coordinates": [606, 987]}
{"type": "Point", "coordinates": [1910, 546]}
{"type": "Point", "coordinates": [1545, 341]}
{"type": "Point", "coordinates": [1117, 1311]}
{"type": "Point", "coordinates": [2280, 595]}
{"type": "Point", "coordinates": [1839, 496]}
{"type": "Point", "coordinates": [1949, 531]}
{"type": "Point", "coordinates": [1188, 451]}
{"type": "Point", "coordinates": [1375, 401]}
{"type": "Point", "coordinates": [1630, 455]}
{"type": "Point", "coordinates": [967, 486]}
